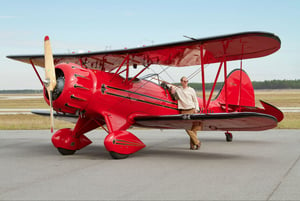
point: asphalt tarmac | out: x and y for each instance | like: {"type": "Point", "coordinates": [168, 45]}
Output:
{"type": "Point", "coordinates": [255, 166]}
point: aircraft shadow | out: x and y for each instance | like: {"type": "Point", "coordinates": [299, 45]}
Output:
{"type": "Point", "coordinates": [98, 151]}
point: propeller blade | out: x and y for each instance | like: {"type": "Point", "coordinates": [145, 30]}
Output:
{"type": "Point", "coordinates": [49, 66]}
{"type": "Point", "coordinates": [50, 78]}
{"type": "Point", "coordinates": [51, 112]}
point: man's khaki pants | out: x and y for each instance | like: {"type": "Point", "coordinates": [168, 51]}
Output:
{"type": "Point", "coordinates": [196, 127]}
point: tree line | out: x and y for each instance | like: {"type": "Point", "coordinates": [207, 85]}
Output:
{"type": "Point", "coordinates": [268, 84]}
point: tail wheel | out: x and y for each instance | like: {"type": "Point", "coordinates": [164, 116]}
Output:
{"type": "Point", "coordinates": [65, 151]}
{"type": "Point", "coordinates": [228, 136]}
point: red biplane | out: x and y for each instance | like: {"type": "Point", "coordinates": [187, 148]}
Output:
{"type": "Point", "coordinates": [95, 89]}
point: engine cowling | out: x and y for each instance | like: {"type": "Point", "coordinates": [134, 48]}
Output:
{"type": "Point", "coordinates": [75, 86]}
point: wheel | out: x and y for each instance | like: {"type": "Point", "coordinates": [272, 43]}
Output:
{"type": "Point", "coordinates": [228, 137]}
{"type": "Point", "coordinates": [65, 151]}
{"type": "Point", "coordinates": [116, 155]}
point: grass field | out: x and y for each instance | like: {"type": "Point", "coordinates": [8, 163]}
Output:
{"type": "Point", "coordinates": [279, 98]}
{"type": "Point", "coordinates": [11, 103]}
{"type": "Point", "coordinates": [291, 121]}
{"type": "Point", "coordinates": [30, 122]}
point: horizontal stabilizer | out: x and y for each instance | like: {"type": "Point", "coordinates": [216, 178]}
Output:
{"type": "Point", "coordinates": [267, 109]}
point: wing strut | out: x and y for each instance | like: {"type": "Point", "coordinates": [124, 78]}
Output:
{"type": "Point", "coordinates": [241, 77]}
{"type": "Point", "coordinates": [203, 79]}
{"type": "Point", "coordinates": [214, 85]}
{"type": "Point", "coordinates": [225, 85]}
{"type": "Point", "coordinates": [132, 79]}
{"type": "Point", "coordinates": [37, 73]}
{"type": "Point", "coordinates": [223, 63]}
{"type": "Point", "coordinates": [125, 59]}
{"type": "Point", "coordinates": [225, 47]}
{"type": "Point", "coordinates": [127, 70]}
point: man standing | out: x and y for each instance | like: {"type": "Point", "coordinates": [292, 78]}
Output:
{"type": "Point", "coordinates": [188, 104]}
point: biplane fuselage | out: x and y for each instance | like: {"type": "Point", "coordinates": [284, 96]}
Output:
{"type": "Point", "coordinates": [101, 96]}
{"type": "Point", "coordinates": [99, 92]}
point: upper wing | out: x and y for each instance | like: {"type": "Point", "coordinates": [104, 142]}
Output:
{"type": "Point", "coordinates": [242, 121]}
{"type": "Point", "coordinates": [185, 53]}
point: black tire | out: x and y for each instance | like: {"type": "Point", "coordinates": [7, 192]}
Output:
{"type": "Point", "coordinates": [116, 155]}
{"type": "Point", "coordinates": [65, 151]}
{"type": "Point", "coordinates": [228, 137]}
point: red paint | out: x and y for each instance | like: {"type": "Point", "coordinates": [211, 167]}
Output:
{"type": "Point", "coordinates": [118, 102]}
{"type": "Point", "coordinates": [98, 96]}
{"type": "Point", "coordinates": [123, 142]}
{"type": "Point", "coordinates": [65, 138]}
{"type": "Point", "coordinates": [235, 87]}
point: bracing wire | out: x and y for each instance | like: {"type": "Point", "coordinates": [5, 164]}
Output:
{"type": "Point", "coordinates": [196, 72]}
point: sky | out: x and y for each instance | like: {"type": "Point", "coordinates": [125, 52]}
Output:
{"type": "Point", "coordinates": [96, 25]}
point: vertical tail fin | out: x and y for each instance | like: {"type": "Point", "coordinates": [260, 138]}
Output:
{"type": "Point", "coordinates": [240, 96]}
{"type": "Point", "coordinates": [239, 90]}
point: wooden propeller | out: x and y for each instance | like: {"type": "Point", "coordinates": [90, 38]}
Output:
{"type": "Point", "coordinates": [50, 78]}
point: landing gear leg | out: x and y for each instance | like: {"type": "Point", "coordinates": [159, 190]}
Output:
{"type": "Point", "coordinates": [228, 136]}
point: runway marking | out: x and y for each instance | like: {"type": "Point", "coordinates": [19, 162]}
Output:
{"type": "Point", "coordinates": [19, 111]}
{"type": "Point", "coordinates": [283, 178]}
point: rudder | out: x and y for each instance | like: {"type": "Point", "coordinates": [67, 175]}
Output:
{"type": "Point", "coordinates": [239, 90]}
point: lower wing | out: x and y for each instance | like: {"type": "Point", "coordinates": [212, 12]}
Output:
{"type": "Point", "coordinates": [66, 117]}
{"type": "Point", "coordinates": [236, 121]}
